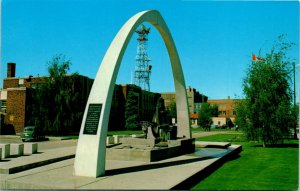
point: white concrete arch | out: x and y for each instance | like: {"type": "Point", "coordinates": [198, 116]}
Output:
{"type": "Point", "coordinates": [91, 149]}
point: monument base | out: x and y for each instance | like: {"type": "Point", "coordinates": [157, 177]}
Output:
{"type": "Point", "coordinates": [149, 153]}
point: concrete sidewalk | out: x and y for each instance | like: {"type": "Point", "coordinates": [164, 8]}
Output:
{"type": "Point", "coordinates": [172, 173]}
{"type": "Point", "coordinates": [44, 157]}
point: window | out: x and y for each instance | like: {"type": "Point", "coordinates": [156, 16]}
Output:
{"type": "Point", "coordinates": [3, 106]}
{"type": "Point", "coordinates": [3, 103]}
{"type": "Point", "coordinates": [21, 83]}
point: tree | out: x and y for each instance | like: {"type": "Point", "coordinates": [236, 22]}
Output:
{"type": "Point", "coordinates": [295, 119]}
{"type": "Point", "coordinates": [214, 110]}
{"type": "Point", "coordinates": [266, 113]}
{"type": "Point", "coordinates": [131, 111]}
{"type": "Point", "coordinates": [171, 111]}
{"type": "Point", "coordinates": [57, 107]}
{"type": "Point", "coordinates": [205, 115]}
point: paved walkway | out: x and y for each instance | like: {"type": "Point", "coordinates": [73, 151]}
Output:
{"type": "Point", "coordinates": [165, 174]}
{"type": "Point", "coordinates": [21, 163]}
{"type": "Point", "coordinates": [43, 171]}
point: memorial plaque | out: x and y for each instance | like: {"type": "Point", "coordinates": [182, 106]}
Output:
{"type": "Point", "coordinates": [92, 119]}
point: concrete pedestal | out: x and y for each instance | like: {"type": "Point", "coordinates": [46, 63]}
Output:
{"type": "Point", "coordinates": [139, 150]}
{"type": "Point", "coordinates": [5, 150]}
{"type": "Point", "coordinates": [30, 148]}
{"type": "Point", "coordinates": [16, 149]}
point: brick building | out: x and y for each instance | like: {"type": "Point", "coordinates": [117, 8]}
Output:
{"type": "Point", "coordinates": [16, 98]}
{"type": "Point", "coordinates": [146, 105]}
{"type": "Point", "coordinates": [195, 99]}
{"type": "Point", "coordinates": [226, 108]}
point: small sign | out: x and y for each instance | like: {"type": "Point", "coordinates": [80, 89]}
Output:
{"type": "Point", "coordinates": [92, 119]}
{"type": "Point", "coordinates": [173, 121]}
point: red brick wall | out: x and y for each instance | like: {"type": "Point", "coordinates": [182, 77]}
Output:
{"type": "Point", "coordinates": [228, 103]}
{"type": "Point", "coordinates": [34, 80]}
{"type": "Point", "coordinates": [15, 107]}
{"type": "Point", "coordinates": [14, 82]}
{"type": "Point", "coordinates": [10, 83]}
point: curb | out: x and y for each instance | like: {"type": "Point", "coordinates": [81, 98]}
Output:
{"type": "Point", "coordinates": [34, 165]}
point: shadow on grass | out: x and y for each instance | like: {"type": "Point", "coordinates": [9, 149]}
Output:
{"type": "Point", "coordinates": [233, 157]}
{"type": "Point", "coordinates": [284, 145]}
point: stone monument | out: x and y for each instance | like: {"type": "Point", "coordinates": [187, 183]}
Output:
{"type": "Point", "coordinates": [91, 148]}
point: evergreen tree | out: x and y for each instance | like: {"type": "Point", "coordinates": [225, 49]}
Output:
{"type": "Point", "coordinates": [131, 111]}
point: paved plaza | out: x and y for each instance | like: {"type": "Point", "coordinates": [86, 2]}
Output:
{"type": "Point", "coordinates": [53, 169]}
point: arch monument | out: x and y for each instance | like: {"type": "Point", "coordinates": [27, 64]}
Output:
{"type": "Point", "coordinates": [91, 148]}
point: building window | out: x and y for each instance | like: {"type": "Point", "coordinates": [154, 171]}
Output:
{"type": "Point", "coordinates": [21, 83]}
{"type": "Point", "coordinates": [3, 103]}
{"type": "Point", "coordinates": [3, 106]}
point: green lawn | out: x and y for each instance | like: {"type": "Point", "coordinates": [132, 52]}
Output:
{"type": "Point", "coordinates": [257, 168]}
{"type": "Point", "coordinates": [199, 129]}
{"type": "Point", "coordinates": [110, 133]}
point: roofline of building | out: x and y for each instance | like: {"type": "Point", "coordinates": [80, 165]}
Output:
{"type": "Point", "coordinates": [26, 77]}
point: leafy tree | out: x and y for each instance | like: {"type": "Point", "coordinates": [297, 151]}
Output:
{"type": "Point", "coordinates": [171, 111]}
{"type": "Point", "coordinates": [214, 110]}
{"type": "Point", "coordinates": [295, 119]}
{"type": "Point", "coordinates": [229, 123]}
{"type": "Point", "coordinates": [57, 107]}
{"type": "Point", "coordinates": [205, 115]}
{"type": "Point", "coordinates": [131, 111]}
{"type": "Point", "coordinates": [266, 113]}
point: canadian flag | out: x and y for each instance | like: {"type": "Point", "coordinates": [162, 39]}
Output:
{"type": "Point", "coordinates": [256, 58]}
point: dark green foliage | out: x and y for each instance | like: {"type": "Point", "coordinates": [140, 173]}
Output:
{"type": "Point", "coordinates": [295, 119]}
{"type": "Point", "coordinates": [57, 107]}
{"type": "Point", "coordinates": [116, 116]}
{"type": "Point", "coordinates": [206, 113]}
{"type": "Point", "coordinates": [214, 110]}
{"type": "Point", "coordinates": [229, 123]}
{"type": "Point", "coordinates": [131, 111]}
{"type": "Point", "coordinates": [171, 111]}
{"type": "Point", "coordinates": [266, 113]}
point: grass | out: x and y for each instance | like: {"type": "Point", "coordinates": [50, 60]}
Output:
{"type": "Point", "coordinates": [199, 129]}
{"type": "Point", "coordinates": [110, 133]}
{"type": "Point", "coordinates": [64, 136]}
{"type": "Point", "coordinates": [257, 168]}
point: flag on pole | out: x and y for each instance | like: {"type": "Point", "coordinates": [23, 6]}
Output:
{"type": "Point", "coordinates": [256, 58]}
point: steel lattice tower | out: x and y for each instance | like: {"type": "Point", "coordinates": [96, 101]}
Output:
{"type": "Point", "coordinates": [142, 68]}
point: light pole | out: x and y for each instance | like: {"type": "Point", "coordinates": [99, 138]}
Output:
{"type": "Point", "coordinates": [294, 70]}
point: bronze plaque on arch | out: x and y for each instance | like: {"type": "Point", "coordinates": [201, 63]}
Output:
{"type": "Point", "coordinates": [92, 119]}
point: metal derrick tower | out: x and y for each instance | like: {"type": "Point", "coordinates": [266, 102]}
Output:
{"type": "Point", "coordinates": [142, 68]}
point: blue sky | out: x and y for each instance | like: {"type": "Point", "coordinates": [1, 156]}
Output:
{"type": "Point", "coordinates": [214, 39]}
